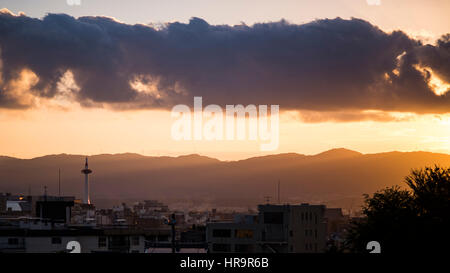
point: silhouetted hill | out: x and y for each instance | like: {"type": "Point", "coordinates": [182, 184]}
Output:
{"type": "Point", "coordinates": [339, 153]}
{"type": "Point", "coordinates": [331, 175]}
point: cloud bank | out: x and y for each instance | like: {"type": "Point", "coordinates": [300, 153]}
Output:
{"type": "Point", "coordinates": [325, 65]}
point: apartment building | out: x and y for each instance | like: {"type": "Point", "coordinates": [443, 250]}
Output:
{"type": "Point", "coordinates": [276, 228]}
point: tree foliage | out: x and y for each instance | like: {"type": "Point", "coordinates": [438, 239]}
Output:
{"type": "Point", "coordinates": [406, 220]}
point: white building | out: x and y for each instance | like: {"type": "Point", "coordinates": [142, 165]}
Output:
{"type": "Point", "coordinates": [40, 237]}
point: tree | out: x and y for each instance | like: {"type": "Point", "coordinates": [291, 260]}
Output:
{"type": "Point", "coordinates": [431, 191]}
{"type": "Point", "coordinates": [412, 220]}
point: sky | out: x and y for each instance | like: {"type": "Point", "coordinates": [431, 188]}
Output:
{"type": "Point", "coordinates": [86, 80]}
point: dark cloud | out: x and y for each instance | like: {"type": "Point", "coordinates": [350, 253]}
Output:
{"type": "Point", "coordinates": [325, 65]}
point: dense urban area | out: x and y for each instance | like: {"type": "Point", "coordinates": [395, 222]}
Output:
{"type": "Point", "coordinates": [46, 223]}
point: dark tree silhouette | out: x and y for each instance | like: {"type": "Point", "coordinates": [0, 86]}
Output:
{"type": "Point", "coordinates": [412, 220]}
{"type": "Point", "coordinates": [431, 191]}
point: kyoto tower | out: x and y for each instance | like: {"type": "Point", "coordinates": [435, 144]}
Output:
{"type": "Point", "coordinates": [86, 171]}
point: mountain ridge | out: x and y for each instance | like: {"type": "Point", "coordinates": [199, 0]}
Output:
{"type": "Point", "coordinates": [332, 151]}
{"type": "Point", "coordinates": [331, 175]}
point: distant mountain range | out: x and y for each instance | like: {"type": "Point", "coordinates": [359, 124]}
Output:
{"type": "Point", "coordinates": [331, 175]}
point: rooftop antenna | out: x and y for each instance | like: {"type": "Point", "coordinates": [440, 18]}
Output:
{"type": "Point", "coordinates": [29, 190]}
{"type": "Point", "coordinates": [45, 193]}
{"type": "Point", "coordinates": [279, 191]}
{"type": "Point", "coordinates": [59, 182]}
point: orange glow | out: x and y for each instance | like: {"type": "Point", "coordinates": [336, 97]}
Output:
{"type": "Point", "coordinates": [438, 86]}
{"type": "Point", "coordinates": [48, 130]}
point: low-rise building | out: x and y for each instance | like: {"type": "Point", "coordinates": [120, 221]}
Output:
{"type": "Point", "coordinates": [42, 237]}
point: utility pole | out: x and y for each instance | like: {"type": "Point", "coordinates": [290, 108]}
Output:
{"type": "Point", "coordinates": [172, 222]}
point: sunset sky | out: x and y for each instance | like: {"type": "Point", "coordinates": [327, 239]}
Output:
{"type": "Point", "coordinates": [90, 85]}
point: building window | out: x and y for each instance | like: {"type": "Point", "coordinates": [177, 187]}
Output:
{"type": "Point", "coordinates": [135, 240]}
{"type": "Point", "coordinates": [291, 233]}
{"type": "Point", "coordinates": [273, 218]}
{"type": "Point", "coordinates": [221, 233]}
{"type": "Point", "coordinates": [162, 238]}
{"type": "Point", "coordinates": [13, 241]}
{"type": "Point", "coordinates": [243, 233]}
{"type": "Point", "coordinates": [243, 248]}
{"type": "Point", "coordinates": [221, 247]}
{"type": "Point", "coordinates": [102, 241]}
{"type": "Point", "coordinates": [56, 240]}
{"type": "Point", "coordinates": [315, 233]}
{"type": "Point", "coordinates": [306, 232]}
